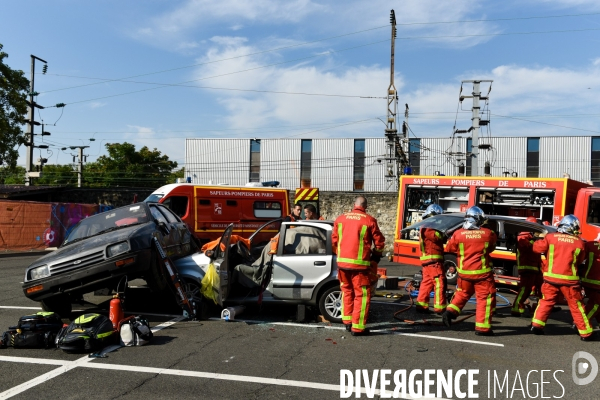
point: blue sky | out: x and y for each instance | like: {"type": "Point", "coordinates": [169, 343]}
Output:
{"type": "Point", "coordinates": [93, 48]}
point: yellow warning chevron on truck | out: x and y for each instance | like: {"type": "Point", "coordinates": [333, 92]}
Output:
{"type": "Point", "coordinates": [306, 194]}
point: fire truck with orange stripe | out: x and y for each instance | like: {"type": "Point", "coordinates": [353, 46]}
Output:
{"type": "Point", "coordinates": [209, 209]}
{"type": "Point", "coordinates": [547, 199]}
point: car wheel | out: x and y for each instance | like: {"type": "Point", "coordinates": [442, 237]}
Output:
{"type": "Point", "coordinates": [60, 304]}
{"type": "Point", "coordinates": [450, 268]}
{"type": "Point", "coordinates": [191, 289]}
{"type": "Point", "coordinates": [330, 304]}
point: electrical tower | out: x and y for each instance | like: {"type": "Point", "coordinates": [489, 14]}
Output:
{"type": "Point", "coordinates": [396, 159]}
{"type": "Point", "coordinates": [476, 123]}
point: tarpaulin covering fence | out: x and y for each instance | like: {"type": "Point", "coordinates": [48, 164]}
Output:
{"type": "Point", "coordinates": [30, 225]}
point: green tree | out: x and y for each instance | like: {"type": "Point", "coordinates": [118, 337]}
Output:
{"type": "Point", "coordinates": [13, 109]}
{"type": "Point", "coordinates": [124, 166]}
{"type": "Point", "coordinates": [57, 175]}
{"type": "Point", "coordinates": [180, 173]}
{"type": "Point", "coordinates": [12, 175]}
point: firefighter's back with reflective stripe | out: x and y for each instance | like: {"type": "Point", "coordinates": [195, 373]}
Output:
{"type": "Point", "coordinates": [564, 253]}
{"type": "Point", "coordinates": [473, 248]}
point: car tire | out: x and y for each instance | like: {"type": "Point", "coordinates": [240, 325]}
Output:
{"type": "Point", "coordinates": [450, 269]}
{"type": "Point", "coordinates": [330, 304]}
{"type": "Point", "coordinates": [60, 304]}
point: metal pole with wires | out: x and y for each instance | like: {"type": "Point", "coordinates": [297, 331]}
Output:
{"type": "Point", "coordinates": [31, 122]}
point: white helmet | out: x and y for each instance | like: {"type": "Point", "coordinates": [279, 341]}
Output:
{"type": "Point", "coordinates": [474, 218]}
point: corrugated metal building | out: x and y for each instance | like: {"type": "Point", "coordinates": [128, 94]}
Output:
{"type": "Point", "coordinates": [359, 164]}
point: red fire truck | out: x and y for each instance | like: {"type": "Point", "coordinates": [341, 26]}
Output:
{"type": "Point", "coordinates": [546, 199]}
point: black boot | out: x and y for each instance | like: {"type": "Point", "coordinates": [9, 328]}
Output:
{"type": "Point", "coordinates": [365, 332]}
{"type": "Point", "coordinates": [536, 330]}
{"type": "Point", "coordinates": [486, 333]}
{"type": "Point", "coordinates": [447, 318]}
{"type": "Point", "coordinates": [348, 327]}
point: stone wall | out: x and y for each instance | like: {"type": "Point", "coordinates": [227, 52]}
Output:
{"type": "Point", "coordinates": [380, 205]}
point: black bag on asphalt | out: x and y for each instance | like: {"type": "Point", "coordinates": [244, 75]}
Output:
{"type": "Point", "coordinates": [135, 331]}
{"type": "Point", "coordinates": [88, 333]}
{"type": "Point", "coordinates": [33, 331]}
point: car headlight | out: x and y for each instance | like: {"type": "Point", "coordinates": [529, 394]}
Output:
{"type": "Point", "coordinates": [39, 272]}
{"type": "Point", "coordinates": [117, 249]}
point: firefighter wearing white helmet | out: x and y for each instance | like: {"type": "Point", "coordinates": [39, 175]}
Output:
{"type": "Point", "coordinates": [432, 261]}
{"type": "Point", "coordinates": [473, 244]}
{"type": "Point", "coordinates": [564, 252]}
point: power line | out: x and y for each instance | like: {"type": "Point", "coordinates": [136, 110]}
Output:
{"type": "Point", "coordinates": [500, 19]}
{"type": "Point", "coordinates": [546, 123]}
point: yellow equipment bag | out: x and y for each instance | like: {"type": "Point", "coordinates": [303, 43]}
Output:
{"type": "Point", "coordinates": [210, 283]}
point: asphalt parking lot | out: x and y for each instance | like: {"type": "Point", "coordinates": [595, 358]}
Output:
{"type": "Point", "coordinates": [266, 354]}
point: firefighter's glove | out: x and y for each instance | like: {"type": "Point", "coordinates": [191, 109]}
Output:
{"type": "Point", "coordinates": [376, 257]}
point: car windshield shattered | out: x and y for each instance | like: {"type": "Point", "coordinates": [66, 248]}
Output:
{"type": "Point", "coordinates": [438, 222]}
{"type": "Point", "coordinates": [106, 222]}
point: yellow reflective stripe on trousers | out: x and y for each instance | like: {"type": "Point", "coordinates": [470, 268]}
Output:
{"type": "Point", "coordinates": [592, 311]}
{"type": "Point", "coordinates": [422, 304]}
{"type": "Point", "coordinates": [439, 303]}
{"type": "Point", "coordinates": [452, 306]}
{"type": "Point", "coordinates": [586, 321]}
{"type": "Point", "coordinates": [537, 321]}
{"type": "Point", "coordinates": [363, 311]}
{"type": "Point", "coordinates": [344, 317]}
{"type": "Point", "coordinates": [488, 312]}
{"type": "Point", "coordinates": [516, 306]}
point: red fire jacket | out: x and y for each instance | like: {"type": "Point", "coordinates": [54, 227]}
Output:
{"type": "Point", "coordinates": [563, 254]}
{"type": "Point", "coordinates": [352, 236]}
{"type": "Point", "coordinates": [473, 248]}
{"type": "Point", "coordinates": [527, 260]}
{"type": "Point", "coordinates": [432, 246]}
{"type": "Point", "coordinates": [590, 274]}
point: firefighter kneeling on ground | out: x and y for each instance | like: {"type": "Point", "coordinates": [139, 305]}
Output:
{"type": "Point", "coordinates": [564, 252]}
{"type": "Point", "coordinates": [353, 234]}
{"type": "Point", "coordinates": [473, 244]}
{"type": "Point", "coordinates": [530, 274]}
{"type": "Point", "coordinates": [432, 261]}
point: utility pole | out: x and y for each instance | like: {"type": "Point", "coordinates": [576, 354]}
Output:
{"type": "Point", "coordinates": [476, 122]}
{"type": "Point", "coordinates": [395, 153]}
{"type": "Point", "coordinates": [80, 164]}
{"type": "Point", "coordinates": [31, 123]}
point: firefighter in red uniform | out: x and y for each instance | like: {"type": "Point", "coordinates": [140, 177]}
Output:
{"type": "Point", "coordinates": [590, 280]}
{"type": "Point", "coordinates": [353, 233]}
{"type": "Point", "coordinates": [530, 274]}
{"type": "Point", "coordinates": [564, 252]}
{"type": "Point", "coordinates": [432, 261]}
{"type": "Point", "coordinates": [295, 215]}
{"type": "Point", "coordinates": [473, 244]}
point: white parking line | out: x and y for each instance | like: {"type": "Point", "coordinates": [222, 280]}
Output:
{"type": "Point", "coordinates": [382, 331]}
{"type": "Point", "coordinates": [65, 366]}
{"type": "Point", "coordinates": [182, 372]}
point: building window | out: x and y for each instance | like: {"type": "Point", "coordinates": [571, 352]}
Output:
{"type": "Point", "coordinates": [305, 163]}
{"type": "Point", "coordinates": [255, 160]}
{"type": "Point", "coordinates": [533, 157]}
{"type": "Point", "coordinates": [414, 155]}
{"type": "Point", "coordinates": [469, 159]}
{"type": "Point", "coordinates": [595, 167]}
{"type": "Point", "coordinates": [359, 165]}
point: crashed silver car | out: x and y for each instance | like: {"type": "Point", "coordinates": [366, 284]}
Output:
{"type": "Point", "coordinates": [302, 271]}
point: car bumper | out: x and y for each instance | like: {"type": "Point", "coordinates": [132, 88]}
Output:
{"type": "Point", "coordinates": [90, 278]}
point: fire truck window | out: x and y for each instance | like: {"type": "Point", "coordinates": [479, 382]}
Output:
{"type": "Point", "coordinates": [267, 209]}
{"type": "Point", "coordinates": [204, 202]}
{"type": "Point", "coordinates": [593, 216]}
{"type": "Point", "coordinates": [177, 204]}
{"type": "Point", "coordinates": [231, 203]}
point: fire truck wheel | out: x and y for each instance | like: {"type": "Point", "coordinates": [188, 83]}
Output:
{"type": "Point", "coordinates": [450, 267]}
{"type": "Point", "coordinates": [60, 305]}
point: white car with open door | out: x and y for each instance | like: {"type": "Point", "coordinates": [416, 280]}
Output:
{"type": "Point", "coordinates": [302, 271]}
